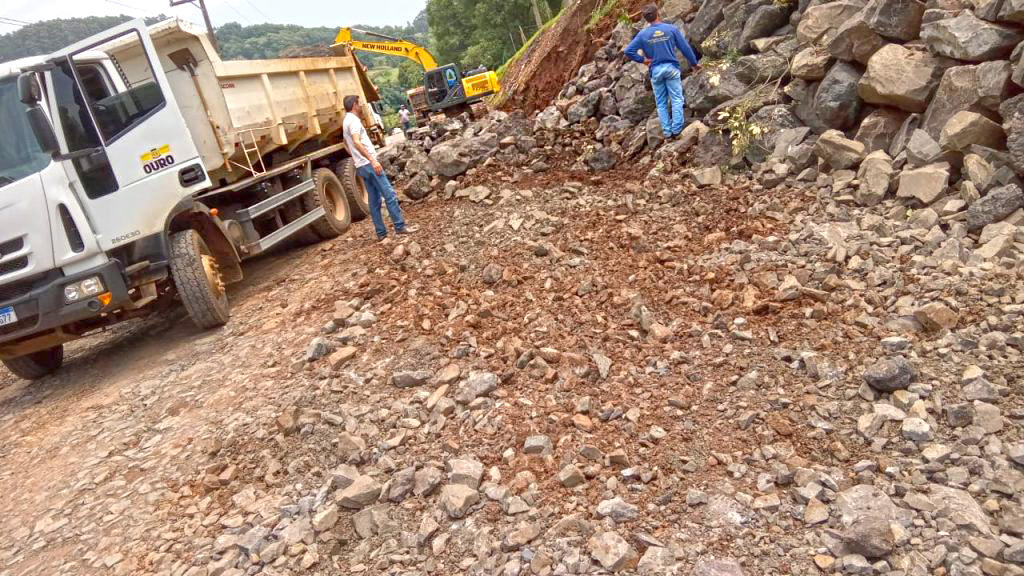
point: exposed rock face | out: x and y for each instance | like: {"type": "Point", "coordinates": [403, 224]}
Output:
{"type": "Point", "coordinates": [838, 151]}
{"type": "Point", "coordinates": [975, 88]}
{"type": "Point", "coordinates": [895, 19]}
{"type": "Point", "coordinates": [900, 78]}
{"type": "Point", "coordinates": [966, 129]}
{"type": "Point", "coordinates": [969, 38]}
{"type": "Point", "coordinates": [820, 23]}
{"type": "Point", "coordinates": [996, 205]}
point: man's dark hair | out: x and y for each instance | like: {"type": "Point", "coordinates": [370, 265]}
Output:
{"type": "Point", "coordinates": [650, 12]}
{"type": "Point", "coordinates": [350, 102]}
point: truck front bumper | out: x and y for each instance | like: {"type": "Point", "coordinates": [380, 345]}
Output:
{"type": "Point", "coordinates": [43, 308]}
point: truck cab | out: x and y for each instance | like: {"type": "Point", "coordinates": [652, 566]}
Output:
{"type": "Point", "coordinates": [131, 171]}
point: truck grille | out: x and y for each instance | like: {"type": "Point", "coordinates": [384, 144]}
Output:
{"type": "Point", "coordinates": [15, 290]}
{"type": "Point", "coordinates": [13, 265]}
{"type": "Point", "coordinates": [21, 324]}
{"type": "Point", "coordinates": [11, 246]}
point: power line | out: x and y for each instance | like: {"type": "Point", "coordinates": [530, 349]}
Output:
{"type": "Point", "coordinates": [237, 11]}
{"type": "Point", "coordinates": [15, 20]}
{"type": "Point", "coordinates": [261, 12]}
{"type": "Point", "coordinates": [122, 4]}
{"type": "Point", "coordinates": [12, 24]}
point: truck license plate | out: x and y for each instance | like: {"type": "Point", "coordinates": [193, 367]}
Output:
{"type": "Point", "coordinates": [7, 316]}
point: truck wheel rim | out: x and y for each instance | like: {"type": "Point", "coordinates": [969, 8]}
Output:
{"type": "Point", "coordinates": [213, 277]}
{"type": "Point", "coordinates": [335, 202]}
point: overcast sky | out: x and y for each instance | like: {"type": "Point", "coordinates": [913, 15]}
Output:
{"type": "Point", "coordinates": [304, 12]}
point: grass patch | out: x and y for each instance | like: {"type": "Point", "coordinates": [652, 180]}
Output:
{"type": "Point", "coordinates": [600, 13]}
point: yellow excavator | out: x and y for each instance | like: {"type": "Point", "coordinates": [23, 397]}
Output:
{"type": "Point", "coordinates": [445, 89]}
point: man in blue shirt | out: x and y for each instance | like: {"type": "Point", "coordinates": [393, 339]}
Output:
{"type": "Point", "coordinates": [659, 43]}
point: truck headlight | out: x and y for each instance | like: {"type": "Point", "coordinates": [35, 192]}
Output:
{"type": "Point", "coordinates": [83, 289]}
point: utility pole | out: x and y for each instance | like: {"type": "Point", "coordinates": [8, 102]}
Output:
{"type": "Point", "coordinates": [201, 4]}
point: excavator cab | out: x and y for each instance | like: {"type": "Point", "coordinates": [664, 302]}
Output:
{"type": "Point", "coordinates": [444, 87]}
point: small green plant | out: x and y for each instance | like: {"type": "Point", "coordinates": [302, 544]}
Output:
{"type": "Point", "coordinates": [742, 132]}
{"type": "Point", "coordinates": [599, 14]}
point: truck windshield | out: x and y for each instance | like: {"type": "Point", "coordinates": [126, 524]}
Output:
{"type": "Point", "coordinates": [20, 155]}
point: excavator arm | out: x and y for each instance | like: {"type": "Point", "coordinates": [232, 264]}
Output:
{"type": "Point", "coordinates": [393, 46]}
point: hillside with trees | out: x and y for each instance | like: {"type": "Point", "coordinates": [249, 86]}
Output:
{"type": "Point", "coordinates": [470, 33]}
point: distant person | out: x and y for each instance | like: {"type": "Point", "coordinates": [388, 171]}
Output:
{"type": "Point", "coordinates": [406, 119]}
{"type": "Point", "coordinates": [364, 156]}
{"type": "Point", "coordinates": [659, 43]}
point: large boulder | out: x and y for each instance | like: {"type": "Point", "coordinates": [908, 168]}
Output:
{"type": "Point", "coordinates": [994, 206]}
{"type": "Point", "coordinates": [839, 152]}
{"type": "Point", "coordinates": [637, 106]}
{"type": "Point", "coordinates": [820, 23]}
{"type": "Point", "coordinates": [966, 129]}
{"type": "Point", "coordinates": [895, 19]}
{"type": "Point", "coordinates": [836, 103]}
{"type": "Point", "coordinates": [584, 108]}
{"type": "Point", "coordinates": [711, 87]}
{"type": "Point", "coordinates": [875, 175]}
{"type": "Point", "coordinates": [754, 69]}
{"type": "Point", "coordinates": [455, 157]}
{"type": "Point", "coordinates": [1012, 111]}
{"type": "Point", "coordinates": [877, 129]}
{"type": "Point", "coordinates": [924, 184]}
{"type": "Point", "coordinates": [726, 38]}
{"type": "Point", "coordinates": [970, 38]}
{"type": "Point", "coordinates": [710, 15]}
{"type": "Point", "coordinates": [811, 63]}
{"type": "Point", "coordinates": [768, 17]}
{"type": "Point", "coordinates": [900, 78]}
{"type": "Point", "coordinates": [975, 88]}
{"type": "Point", "coordinates": [854, 40]}
{"type": "Point", "coordinates": [771, 121]}
{"type": "Point", "coordinates": [550, 119]}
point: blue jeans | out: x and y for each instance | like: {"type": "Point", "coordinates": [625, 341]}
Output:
{"type": "Point", "coordinates": [378, 188]}
{"type": "Point", "coordinates": [668, 86]}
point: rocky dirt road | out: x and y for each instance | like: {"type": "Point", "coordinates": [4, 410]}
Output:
{"type": "Point", "coordinates": [558, 374]}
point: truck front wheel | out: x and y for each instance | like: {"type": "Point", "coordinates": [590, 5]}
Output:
{"type": "Point", "coordinates": [355, 189]}
{"type": "Point", "coordinates": [38, 364]}
{"type": "Point", "coordinates": [198, 280]}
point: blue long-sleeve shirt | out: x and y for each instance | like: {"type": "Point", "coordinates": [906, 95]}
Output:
{"type": "Point", "coordinates": [659, 42]}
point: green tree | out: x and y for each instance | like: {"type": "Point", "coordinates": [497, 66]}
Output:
{"type": "Point", "coordinates": [472, 33]}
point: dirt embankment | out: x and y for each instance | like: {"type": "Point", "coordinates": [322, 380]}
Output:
{"type": "Point", "coordinates": [535, 78]}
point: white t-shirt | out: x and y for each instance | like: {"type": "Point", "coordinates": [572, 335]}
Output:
{"type": "Point", "coordinates": [403, 115]}
{"type": "Point", "coordinates": [352, 128]}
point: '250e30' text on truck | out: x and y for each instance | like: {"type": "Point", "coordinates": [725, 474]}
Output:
{"type": "Point", "coordinates": [137, 164]}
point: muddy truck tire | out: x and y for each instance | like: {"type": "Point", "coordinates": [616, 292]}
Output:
{"type": "Point", "coordinates": [330, 195]}
{"type": "Point", "coordinates": [355, 189]}
{"type": "Point", "coordinates": [38, 364]}
{"type": "Point", "coordinates": [198, 280]}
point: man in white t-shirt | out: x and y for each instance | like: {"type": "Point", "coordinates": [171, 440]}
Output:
{"type": "Point", "coordinates": [406, 119]}
{"type": "Point", "coordinates": [378, 187]}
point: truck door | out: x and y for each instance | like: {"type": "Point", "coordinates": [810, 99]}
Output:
{"type": "Point", "coordinates": [129, 152]}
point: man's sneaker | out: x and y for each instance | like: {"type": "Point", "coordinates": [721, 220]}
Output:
{"type": "Point", "coordinates": [382, 239]}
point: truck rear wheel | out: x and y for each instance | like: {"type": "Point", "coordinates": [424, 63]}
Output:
{"type": "Point", "coordinates": [38, 364]}
{"type": "Point", "coordinates": [330, 195]}
{"type": "Point", "coordinates": [355, 189]}
{"type": "Point", "coordinates": [197, 277]}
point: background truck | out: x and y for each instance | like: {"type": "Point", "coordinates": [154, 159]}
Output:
{"type": "Point", "coordinates": [136, 164]}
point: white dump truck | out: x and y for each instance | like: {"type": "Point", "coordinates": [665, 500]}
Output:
{"type": "Point", "coordinates": [136, 165]}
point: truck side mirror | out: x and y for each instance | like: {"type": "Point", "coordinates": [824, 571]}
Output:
{"type": "Point", "coordinates": [30, 95]}
{"type": "Point", "coordinates": [28, 89]}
